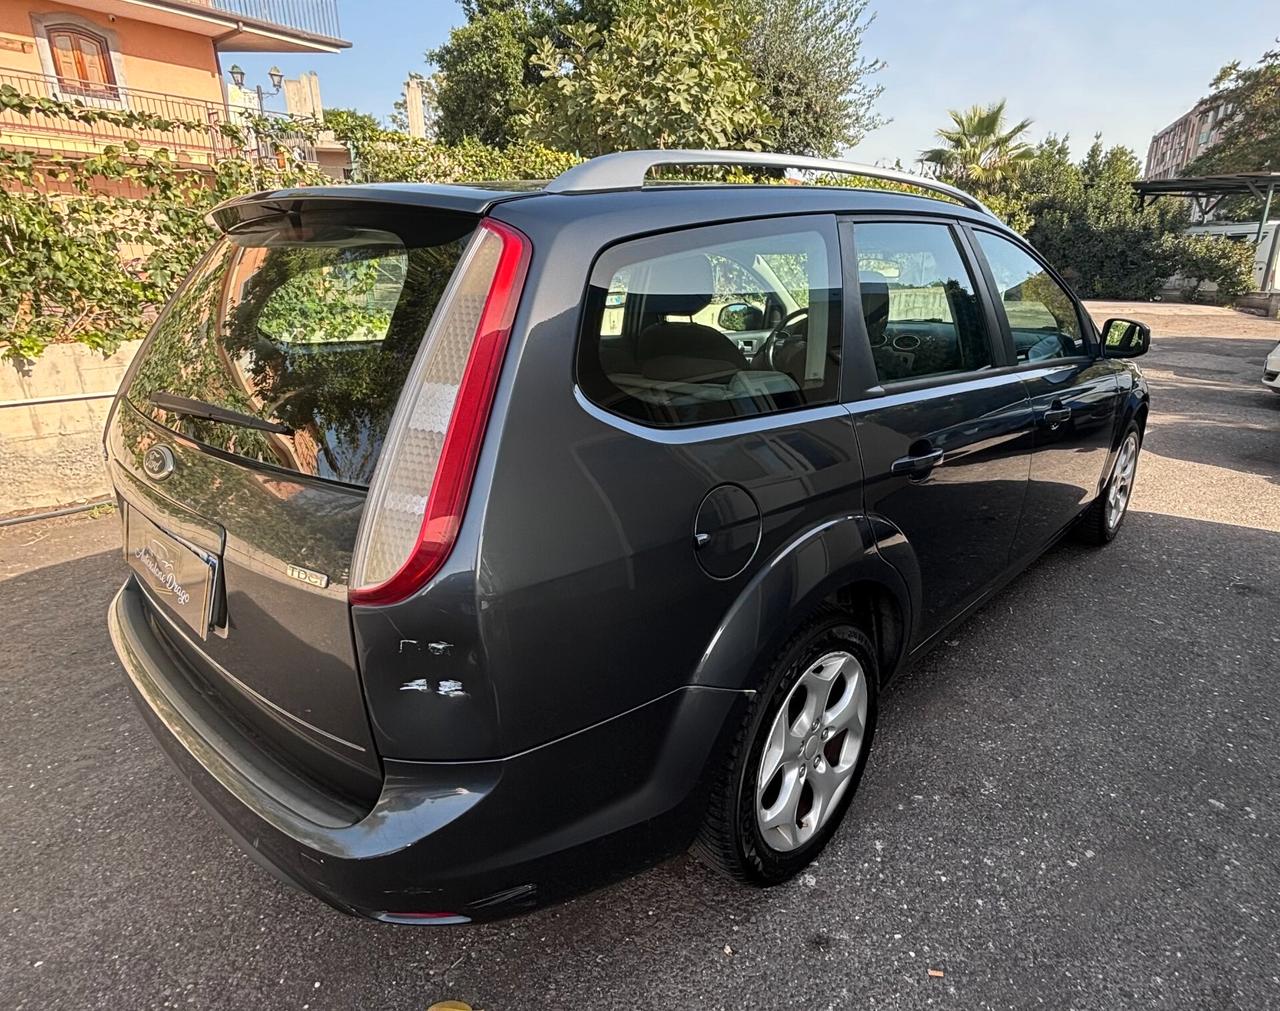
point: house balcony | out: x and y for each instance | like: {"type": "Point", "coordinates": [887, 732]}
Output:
{"type": "Point", "coordinates": [239, 26]}
{"type": "Point", "coordinates": [195, 138]}
{"type": "Point", "coordinates": [314, 17]}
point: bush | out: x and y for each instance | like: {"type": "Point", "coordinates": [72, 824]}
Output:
{"type": "Point", "coordinates": [1086, 222]}
{"type": "Point", "coordinates": [1112, 259]}
{"type": "Point", "coordinates": [92, 247]}
{"type": "Point", "coordinates": [388, 156]}
{"type": "Point", "coordinates": [81, 263]}
{"type": "Point", "coordinates": [1213, 259]}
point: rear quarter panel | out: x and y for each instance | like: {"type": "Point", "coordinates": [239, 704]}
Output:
{"type": "Point", "coordinates": [574, 593]}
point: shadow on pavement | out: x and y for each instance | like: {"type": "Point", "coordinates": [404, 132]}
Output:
{"type": "Point", "coordinates": [1249, 351]}
{"type": "Point", "coordinates": [1253, 450]}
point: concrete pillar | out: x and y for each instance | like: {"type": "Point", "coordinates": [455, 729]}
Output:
{"type": "Point", "coordinates": [302, 96]}
{"type": "Point", "coordinates": [413, 108]}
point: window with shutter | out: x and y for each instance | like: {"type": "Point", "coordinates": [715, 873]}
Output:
{"type": "Point", "coordinates": [82, 62]}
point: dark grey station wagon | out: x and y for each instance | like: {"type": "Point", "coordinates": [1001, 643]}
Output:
{"type": "Point", "coordinates": [490, 543]}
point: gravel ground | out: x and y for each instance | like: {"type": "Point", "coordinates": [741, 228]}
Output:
{"type": "Point", "coordinates": [1072, 803]}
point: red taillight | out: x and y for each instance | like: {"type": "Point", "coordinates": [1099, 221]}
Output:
{"type": "Point", "coordinates": [421, 457]}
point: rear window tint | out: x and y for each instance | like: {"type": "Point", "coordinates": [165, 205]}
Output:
{"type": "Point", "coordinates": [311, 330]}
{"type": "Point", "coordinates": [712, 324]}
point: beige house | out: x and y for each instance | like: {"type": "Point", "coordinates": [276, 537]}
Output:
{"type": "Point", "coordinates": [164, 58]}
{"type": "Point", "coordinates": [160, 57]}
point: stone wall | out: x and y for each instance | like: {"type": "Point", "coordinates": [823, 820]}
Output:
{"type": "Point", "coordinates": [1264, 303]}
{"type": "Point", "coordinates": [51, 451]}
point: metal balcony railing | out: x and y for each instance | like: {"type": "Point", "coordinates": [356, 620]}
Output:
{"type": "Point", "coordinates": [195, 136]}
{"type": "Point", "coordinates": [316, 17]}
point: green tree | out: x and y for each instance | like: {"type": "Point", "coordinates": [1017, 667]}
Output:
{"type": "Point", "coordinates": [1250, 141]}
{"type": "Point", "coordinates": [1085, 221]}
{"type": "Point", "coordinates": [483, 68]}
{"type": "Point", "coordinates": [667, 73]}
{"type": "Point", "coordinates": [482, 72]}
{"type": "Point", "coordinates": [346, 121]}
{"type": "Point", "coordinates": [807, 56]}
{"type": "Point", "coordinates": [980, 151]}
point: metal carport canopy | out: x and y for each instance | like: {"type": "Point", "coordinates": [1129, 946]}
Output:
{"type": "Point", "coordinates": [1209, 191]}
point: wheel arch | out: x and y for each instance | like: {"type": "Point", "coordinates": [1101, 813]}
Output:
{"type": "Point", "coordinates": [837, 562]}
{"type": "Point", "coordinates": [1140, 416]}
{"type": "Point", "coordinates": [878, 612]}
{"type": "Point", "coordinates": [1135, 407]}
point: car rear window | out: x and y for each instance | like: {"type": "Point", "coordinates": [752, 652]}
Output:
{"type": "Point", "coordinates": [309, 328]}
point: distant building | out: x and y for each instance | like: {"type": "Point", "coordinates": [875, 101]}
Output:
{"type": "Point", "coordinates": [160, 57]}
{"type": "Point", "coordinates": [1185, 139]}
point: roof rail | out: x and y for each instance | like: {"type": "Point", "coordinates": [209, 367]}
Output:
{"type": "Point", "coordinates": [626, 170]}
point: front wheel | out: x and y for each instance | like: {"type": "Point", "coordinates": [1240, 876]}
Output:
{"type": "Point", "coordinates": [798, 756]}
{"type": "Point", "coordinates": [1102, 520]}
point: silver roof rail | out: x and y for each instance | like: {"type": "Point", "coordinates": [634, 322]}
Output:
{"type": "Point", "coordinates": [626, 170]}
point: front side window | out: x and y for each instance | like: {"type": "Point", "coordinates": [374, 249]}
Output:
{"type": "Point", "coordinates": [923, 317]}
{"type": "Point", "coordinates": [1041, 314]}
{"type": "Point", "coordinates": [82, 62]}
{"type": "Point", "coordinates": [712, 324]}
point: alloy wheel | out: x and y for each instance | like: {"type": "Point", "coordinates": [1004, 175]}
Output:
{"type": "Point", "coordinates": [811, 751]}
{"type": "Point", "coordinates": [1121, 485]}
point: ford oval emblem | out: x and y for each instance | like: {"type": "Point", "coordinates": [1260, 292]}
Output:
{"type": "Point", "coordinates": [158, 462]}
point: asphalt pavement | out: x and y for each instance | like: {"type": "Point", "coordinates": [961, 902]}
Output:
{"type": "Point", "coordinates": [1072, 803]}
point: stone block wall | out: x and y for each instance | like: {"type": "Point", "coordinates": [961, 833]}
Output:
{"type": "Point", "coordinates": [51, 444]}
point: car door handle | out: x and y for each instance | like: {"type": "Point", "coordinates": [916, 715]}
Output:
{"type": "Point", "coordinates": [1056, 415]}
{"type": "Point", "coordinates": [919, 463]}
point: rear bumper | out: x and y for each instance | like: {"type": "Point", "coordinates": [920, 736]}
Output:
{"type": "Point", "coordinates": [465, 840]}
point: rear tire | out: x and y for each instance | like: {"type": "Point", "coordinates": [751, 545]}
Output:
{"type": "Point", "coordinates": [1103, 520]}
{"type": "Point", "coordinates": [807, 733]}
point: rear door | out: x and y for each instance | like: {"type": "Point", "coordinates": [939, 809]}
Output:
{"type": "Point", "coordinates": [944, 429]}
{"type": "Point", "coordinates": [242, 447]}
{"type": "Point", "coordinates": [1074, 391]}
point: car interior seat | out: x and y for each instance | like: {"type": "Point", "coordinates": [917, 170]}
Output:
{"type": "Point", "coordinates": [683, 351]}
{"type": "Point", "coordinates": [874, 287]}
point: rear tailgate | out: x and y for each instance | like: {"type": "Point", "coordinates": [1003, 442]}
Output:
{"type": "Point", "coordinates": [242, 447]}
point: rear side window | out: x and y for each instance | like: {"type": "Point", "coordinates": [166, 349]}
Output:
{"type": "Point", "coordinates": [1041, 314]}
{"type": "Point", "coordinates": [918, 299]}
{"type": "Point", "coordinates": [711, 324]}
{"type": "Point", "coordinates": [305, 330]}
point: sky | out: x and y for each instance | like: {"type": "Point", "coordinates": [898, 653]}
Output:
{"type": "Point", "coordinates": [388, 39]}
{"type": "Point", "coordinates": [1125, 67]}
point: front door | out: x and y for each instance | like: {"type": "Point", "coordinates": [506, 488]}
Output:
{"type": "Point", "coordinates": [1074, 392]}
{"type": "Point", "coordinates": [944, 431]}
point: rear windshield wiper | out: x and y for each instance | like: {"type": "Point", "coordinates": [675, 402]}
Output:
{"type": "Point", "coordinates": [212, 412]}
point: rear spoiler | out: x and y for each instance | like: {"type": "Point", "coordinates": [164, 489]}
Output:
{"type": "Point", "coordinates": [472, 201]}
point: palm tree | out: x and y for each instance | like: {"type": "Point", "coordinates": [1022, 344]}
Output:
{"type": "Point", "coordinates": [980, 152]}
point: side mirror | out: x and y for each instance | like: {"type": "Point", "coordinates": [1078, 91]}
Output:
{"type": "Point", "coordinates": [1125, 338]}
{"type": "Point", "coordinates": [739, 317]}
